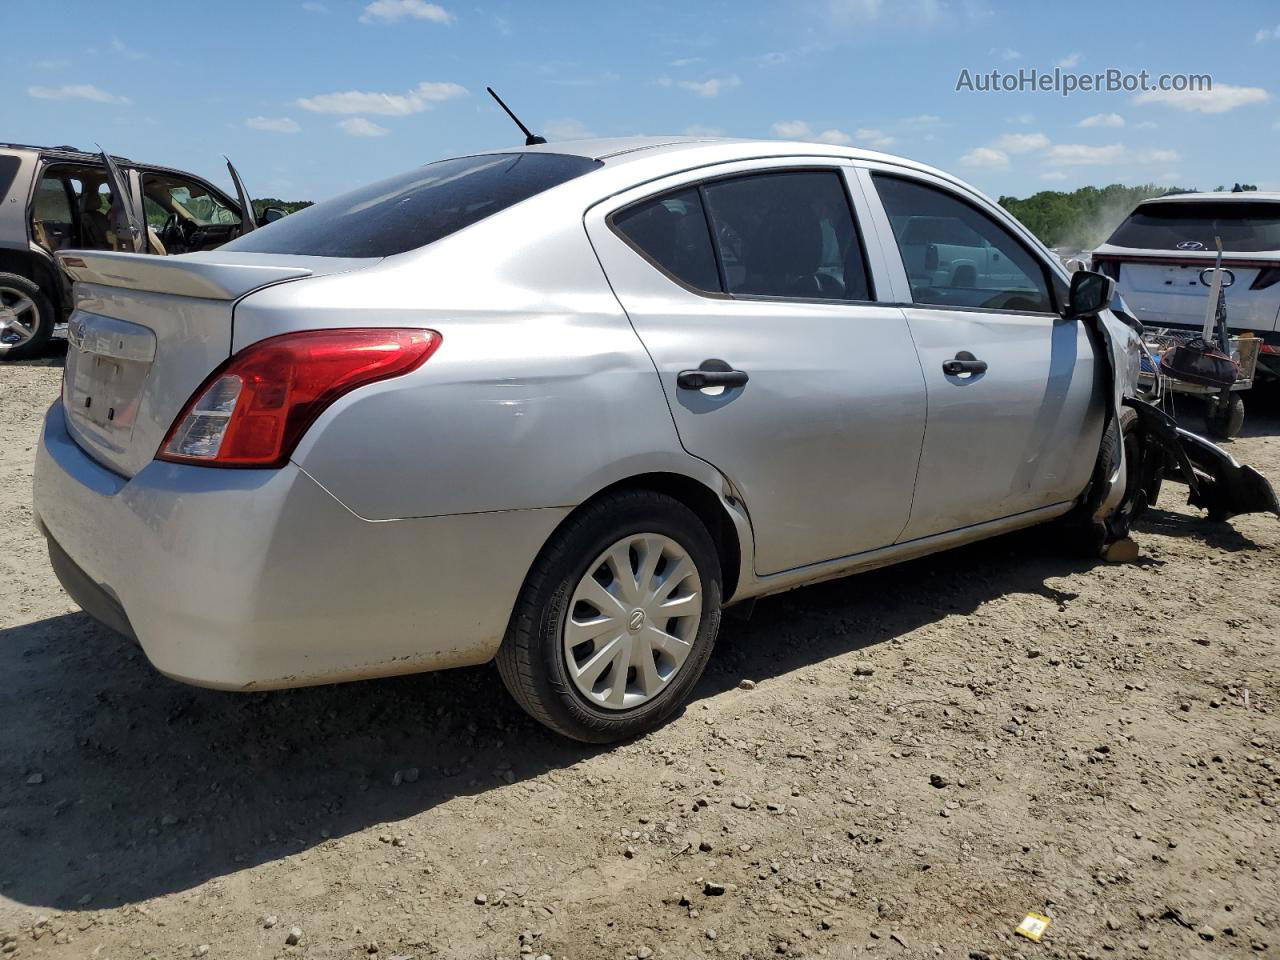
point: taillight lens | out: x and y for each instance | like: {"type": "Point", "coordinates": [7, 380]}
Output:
{"type": "Point", "coordinates": [253, 410]}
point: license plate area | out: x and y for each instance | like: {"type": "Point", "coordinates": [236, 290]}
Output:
{"type": "Point", "coordinates": [107, 365]}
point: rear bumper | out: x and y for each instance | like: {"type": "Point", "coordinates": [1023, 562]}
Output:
{"type": "Point", "coordinates": [259, 579]}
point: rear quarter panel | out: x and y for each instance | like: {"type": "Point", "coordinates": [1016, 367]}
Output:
{"type": "Point", "coordinates": [539, 395]}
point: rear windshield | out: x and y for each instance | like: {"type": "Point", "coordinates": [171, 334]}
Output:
{"type": "Point", "coordinates": [1244, 227]}
{"type": "Point", "coordinates": [415, 208]}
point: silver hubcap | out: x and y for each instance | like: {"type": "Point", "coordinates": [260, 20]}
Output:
{"type": "Point", "coordinates": [632, 621]}
{"type": "Point", "coordinates": [19, 317]}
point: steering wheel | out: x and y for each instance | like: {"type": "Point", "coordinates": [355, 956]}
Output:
{"type": "Point", "coordinates": [173, 234]}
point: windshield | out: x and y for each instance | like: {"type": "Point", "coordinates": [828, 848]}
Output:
{"type": "Point", "coordinates": [415, 208]}
{"type": "Point", "coordinates": [1244, 226]}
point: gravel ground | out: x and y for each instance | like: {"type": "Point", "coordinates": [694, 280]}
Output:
{"type": "Point", "coordinates": [901, 764]}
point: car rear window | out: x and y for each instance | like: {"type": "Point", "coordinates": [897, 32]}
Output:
{"type": "Point", "coordinates": [1244, 226]}
{"type": "Point", "coordinates": [415, 208]}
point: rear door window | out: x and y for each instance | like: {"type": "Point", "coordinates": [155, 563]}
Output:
{"type": "Point", "coordinates": [1244, 226]}
{"type": "Point", "coordinates": [671, 233]}
{"type": "Point", "coordinates": [415, 208]}
{"type": "Point", "coordinates": [957, 256]}
{"type": "Point", "coordinates": [788, 234]}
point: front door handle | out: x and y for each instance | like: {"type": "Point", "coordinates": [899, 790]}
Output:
{"type": "Point", "coordinates": [711, 373]}
{"type": "Point", "coordinates": [965, 362]}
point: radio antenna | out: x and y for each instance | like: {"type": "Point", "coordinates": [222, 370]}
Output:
{"type": "Point", "coordinates": [530, 138]}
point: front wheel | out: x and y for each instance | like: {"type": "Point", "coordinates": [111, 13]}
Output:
{"type": "Point", "coordinates": [616, 620]}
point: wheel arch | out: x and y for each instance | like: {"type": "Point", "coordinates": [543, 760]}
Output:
{"type": "Point", "coordinates": [720, 512]}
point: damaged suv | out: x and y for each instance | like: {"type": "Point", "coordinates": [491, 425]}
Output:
{"type": "Point", "coordinates": [55, 198]}
{"type": "Point", "coordinates": [557, 406]}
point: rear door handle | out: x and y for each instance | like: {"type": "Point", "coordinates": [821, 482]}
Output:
{"type": "Point", "coordinates": [964, 362]}
{"type": "Point", "coordinates": [711, 373]}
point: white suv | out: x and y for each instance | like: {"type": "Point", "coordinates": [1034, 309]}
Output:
{"type": "Point", "coordinates": [1157, 254]}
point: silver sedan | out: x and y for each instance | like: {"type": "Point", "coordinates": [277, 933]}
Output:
{"type": "Point", "coordinates": [558, 406]}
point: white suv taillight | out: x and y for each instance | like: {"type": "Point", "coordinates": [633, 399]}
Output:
{"type": "Point", "coordinates": [253, 410]}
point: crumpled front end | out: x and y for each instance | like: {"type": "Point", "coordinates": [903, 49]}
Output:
{"type": "Point", "coordinates": [1217, 482]}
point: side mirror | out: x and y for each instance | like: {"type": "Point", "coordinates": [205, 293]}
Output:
{"type": "Point", "coordinates": [1090, 292]}
{"type": "Point", "coordinates": [271, 215]}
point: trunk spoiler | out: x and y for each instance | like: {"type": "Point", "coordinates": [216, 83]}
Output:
{"type": "Point", "coordinates": [212, 275]}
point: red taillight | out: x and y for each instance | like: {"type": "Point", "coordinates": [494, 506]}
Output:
{"type": "Point", "coordinates": [253, 410]}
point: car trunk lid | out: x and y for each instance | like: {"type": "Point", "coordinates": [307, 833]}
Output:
{"type": "Point", "coordinates": [147, 331]}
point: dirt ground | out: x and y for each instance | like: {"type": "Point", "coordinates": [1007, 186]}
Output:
{"type": "Point", "coordinates": [928, 753]}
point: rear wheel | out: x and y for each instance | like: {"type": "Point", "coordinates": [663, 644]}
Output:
{"type": "Point", "coordinates": [1224, 418]}
{"type": "Point", "coordinates": [616, 620]}
{"type": "Point", "coordinates": [26, 318]}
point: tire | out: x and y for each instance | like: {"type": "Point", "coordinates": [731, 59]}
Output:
{"type": "Point", "coordinates": [1141, 485]}
{"type": "Point", "coordinates": [35, 314]}
{"type": "Point", "coordinates": [1224, 420]}
{"type": "Point", "coordinates": [551, 680]}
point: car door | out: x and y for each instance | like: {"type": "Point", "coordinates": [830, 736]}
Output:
{"type": "Point", "coordinates": [750, 286]}
{"type": "Point", "coordinates": [1014, 392]}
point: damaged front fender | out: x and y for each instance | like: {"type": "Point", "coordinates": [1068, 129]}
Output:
{"type": "Point", "coordinates": [1217, 483]}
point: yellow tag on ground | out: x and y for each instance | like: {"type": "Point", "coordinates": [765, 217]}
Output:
{"type": "Point", "coordinates": [1033, 926]}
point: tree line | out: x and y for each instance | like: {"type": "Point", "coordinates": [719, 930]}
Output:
{"type": "Point", "coordinates": [1084, 218]}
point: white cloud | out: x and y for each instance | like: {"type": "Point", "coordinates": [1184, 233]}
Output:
{"type": "Point", "coordinates": [833, 136]}
{"type": "Point", "coordinates": [1023, 118]}
{"type": "Point", "coordinates": [1156, 156]}
{"type": "Point", "coordinates": [1006, 53]}
{"type": "Point", "coordinates": [1102, 120]}
{"type": "Point", "coordinates": [712, 87]}
{"type": "Point", "coordinates": [915, 13]}
{"type": "Point", "coordinates": [876, 139]}
{"type": "Point", "coordinates": [273, 124]}
{"type": "Point", "coordinates": [360, 127]}
{"type": "Point", "coordinates": [1021, 142]}
{"type": "Point", "coordinates": [921, 120]}
{"type": "Point", "coordinates": [119, 47]}
{"type": "Point", "coordinates": [76, 91]}
{"type": "Point", "coordinates": [1267, 33]}
{"type": "Point", "coordinates": [985, 158]}
{"type": "Point", "coordinates": [686, 61]}
{"type": "Point", "coordinates": [567, 129]}
{"type": "Point", "coordinates": [1069, 61]}
{"type": "Point", "coordinates": [792, 129]}
{"type": "Point", "coordinates": [771, 59]}
{"type": "Point", "coordinates": [387, 11]}
{"type": "Point", "coordinates": [420, 98]}
{"type": "Point", "coordinates": [1053, 175]}
{"type": "Point", "coordinates": [1079, 154]}
{"type": "Point", "coordinates": [1146, 125]}
{"type": "Point", "coordinates": [701, 130]}
{"type": "Point", "coordinates": [1220, 99]}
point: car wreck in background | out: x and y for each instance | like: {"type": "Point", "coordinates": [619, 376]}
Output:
{"type": "Point", "coordinates": [58, 198]}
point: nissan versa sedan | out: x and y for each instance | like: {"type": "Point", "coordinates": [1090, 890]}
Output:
{"type": "Point", "coordinates": [559, 405]}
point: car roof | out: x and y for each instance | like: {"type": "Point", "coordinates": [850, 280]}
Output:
{"type": "Point", "coordinates": [1243, 196]}
{"type": "Point", "coordinates": [64, 152]}
{"type": "Point", "coordinates": [615, 150]}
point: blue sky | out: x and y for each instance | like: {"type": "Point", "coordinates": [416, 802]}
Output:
{"type": "Point", "coordinates": [312, 98]}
